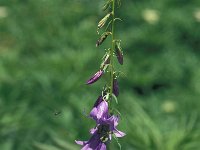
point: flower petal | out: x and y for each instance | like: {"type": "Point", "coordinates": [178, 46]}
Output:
{"type": "Point", "coordinates": [119, 133]}
{"type": "Point", "coordinates": [102, 146]}
{"type": "Point", "coordinates": [100, 112]}
{"type": "Point", "coordinates": [80, 142]}
{"type": "Point", "coordinates": [93, 130]}
{"type": "Point", "coordinates": [86, 147]}
{"type": "Point", "coordinates": [113, 122]}
{"type": "Point", "coordinates": [94, 142]}
{"type": "Point", "coordinates": [93, 113]}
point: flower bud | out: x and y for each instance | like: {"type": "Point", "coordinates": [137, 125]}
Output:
{"type": "Point", "coordinates": [95, 77]}
{"type": "Point", "coordinates": [102, 38]}
{"type": "Point", "coordinates": [115, 87]}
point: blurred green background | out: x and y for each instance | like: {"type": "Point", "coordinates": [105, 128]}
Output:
{"type": "Point", "coordinates": [47, 52]}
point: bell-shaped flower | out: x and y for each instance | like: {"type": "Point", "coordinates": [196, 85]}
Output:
{"type": "Point", "coordinates": [101, 135]}
{"type": "Point", "coordinates": [105, 128]}
{"type": "Point", "coordinates": [102, 117]}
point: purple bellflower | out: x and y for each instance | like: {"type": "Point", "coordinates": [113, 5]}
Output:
{"type": "Point", "coordinates": [95, 77]}
{"type": "Point", "coordinates": [106, 126]}
{"type": "Point", "coordinates": [100, 114]}
{"type": "Point", "coordinates": [101, 135]}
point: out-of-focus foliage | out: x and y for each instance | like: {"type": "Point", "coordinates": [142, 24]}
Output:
{"type": "Point", "coordinates": [47, 52]}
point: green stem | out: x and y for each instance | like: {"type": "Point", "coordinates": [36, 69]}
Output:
{"type": "Point", "coordinates": [112, 49]}
{"type": "Point", "coordinates": [111, 56]}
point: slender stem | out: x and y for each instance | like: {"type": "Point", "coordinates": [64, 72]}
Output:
{"type": "Point", "coordinates": [112, 49]}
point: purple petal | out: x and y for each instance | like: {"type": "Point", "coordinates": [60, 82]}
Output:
{"type": "Point", "coordinates": [116, 121]}
{"type": "Point", "coordinates": [100, 112]}
{"type": "Point", "coordinates": [119, 133]}
{"type": "Point", "coordinates": [81, 142]}
{"type": "Point", "coordinates": [115, 87]}
{"type": "Point", "coordinates": [93, 143]}
{"type": "Point", "coordinates": [95, 77]}
{"type": "Point", "coordinates": [102, 146]}
{"type": "Point", "coordinates": [113, 122]}
{"type": "Point", "coordinates": [93, 130]}
{"type": "Point", "coordinates": [86, 147]}
{"type": "Point", "coordinates": [93, 113]}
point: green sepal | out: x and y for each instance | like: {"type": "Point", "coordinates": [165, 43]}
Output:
{"type": "Point", "coordinates": [115, 98]}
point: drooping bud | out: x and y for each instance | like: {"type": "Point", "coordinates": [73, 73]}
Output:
{"type": "Point", "coordinates": [95, 77]}
{"type": "Point", "coordinates": [103, 21]}
{"type": "Point", "coordinates": [119, 53]}
{"type": "Point", "coordinates": [102, 38]}
{"type": "Point", "coordinates": [115, 87]}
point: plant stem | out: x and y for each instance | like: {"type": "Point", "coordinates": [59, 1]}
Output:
{"type": "Point", "coordinates": [112, 50]}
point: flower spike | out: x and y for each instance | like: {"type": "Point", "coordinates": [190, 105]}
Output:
{"type": "Point", "coordinates": [103, 112]}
